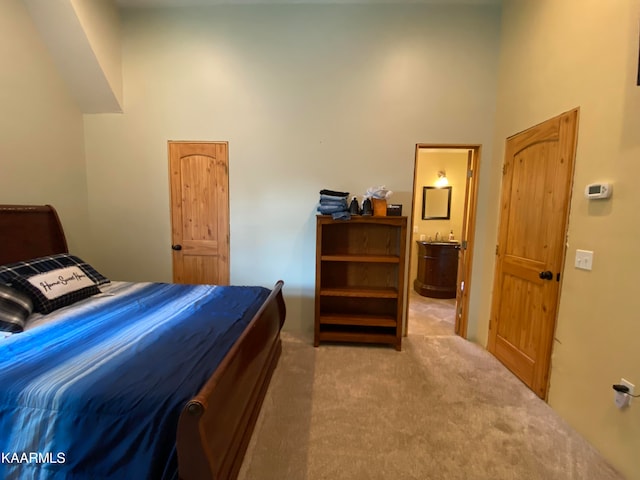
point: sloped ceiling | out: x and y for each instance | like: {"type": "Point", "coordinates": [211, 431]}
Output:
{"type": "Point", "coordinates": [74, 32]}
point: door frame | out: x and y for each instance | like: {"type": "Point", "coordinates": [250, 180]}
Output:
{"type": "Point", "coordinates": [468, 229]}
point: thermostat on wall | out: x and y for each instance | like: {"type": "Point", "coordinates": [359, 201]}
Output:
{"type": "Point", "coordinates": [598, 190]}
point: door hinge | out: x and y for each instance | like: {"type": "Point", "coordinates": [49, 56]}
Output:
{"type": "Point", "coordinates": [497, 246]}
{"type": "Point", "coordinates": [463, 244]}
{"type": "Point", "coordinates": [469, 173]}
{"type": "Point", "coordinates": [504, 169]}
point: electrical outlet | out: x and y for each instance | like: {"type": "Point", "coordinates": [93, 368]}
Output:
{"type": "Point", "coordinates": [584, 259]}
{"type": "Point", "coordinates": [631, 388]}
{"type": "Point", "coordinates": [622, 399]}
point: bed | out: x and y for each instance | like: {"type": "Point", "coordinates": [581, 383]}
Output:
{"type": "Point", "coordinates": [198, 429]}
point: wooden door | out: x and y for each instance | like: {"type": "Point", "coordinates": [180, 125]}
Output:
{"type": "Point", "coordinates": [536, 188]}
{"type": "Point", "coordinates": [199, 180]}
{"type": "Point", "coordinates": [465, 253]}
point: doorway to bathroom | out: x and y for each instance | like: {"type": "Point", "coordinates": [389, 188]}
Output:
{"type": "Point", "coordinates": [442, 230]}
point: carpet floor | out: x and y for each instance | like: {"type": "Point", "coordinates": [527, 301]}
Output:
{"type": "Point", "coordinates": [441, 409]}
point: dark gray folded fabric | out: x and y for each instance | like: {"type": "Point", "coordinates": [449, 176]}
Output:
{"type": "Point", "coordinates": [334, 193]}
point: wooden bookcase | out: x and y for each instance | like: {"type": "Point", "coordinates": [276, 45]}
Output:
{"type": "Point", "coordinates": [360, 269]}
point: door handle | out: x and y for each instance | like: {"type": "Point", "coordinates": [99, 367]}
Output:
{"type": "Point", "coordinates": [176, 247]}
{"type": "Point", "coordinates": [546, 275]}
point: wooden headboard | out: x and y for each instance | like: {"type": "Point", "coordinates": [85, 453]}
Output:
{"type": "Point", "coordinates": [29, 231]}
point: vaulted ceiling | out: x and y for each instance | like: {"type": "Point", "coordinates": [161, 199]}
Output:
{"type": "Point", "coordinates": [83, 37]}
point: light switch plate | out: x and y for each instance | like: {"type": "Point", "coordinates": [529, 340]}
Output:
{"type": "Point", "coordinates": [584, 259]}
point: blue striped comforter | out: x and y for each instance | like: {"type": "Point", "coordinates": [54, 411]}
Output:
{"type": "Point", "coordinates": [97, 394]}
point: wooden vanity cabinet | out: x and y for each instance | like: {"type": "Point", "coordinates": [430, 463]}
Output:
{"type": "Point", "coordinates": [360, 267]}
{"type": "Point", "coordinates": [437, 269]}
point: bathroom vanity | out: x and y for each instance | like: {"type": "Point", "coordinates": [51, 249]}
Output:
{"type": "Point", "coordinates": [437, 269]}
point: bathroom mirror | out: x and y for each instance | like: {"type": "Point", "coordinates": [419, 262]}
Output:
{"type": "Point", "coordinates": [436, 203]}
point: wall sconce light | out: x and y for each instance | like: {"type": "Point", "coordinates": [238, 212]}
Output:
{"type": "Point", "coordinates": [442, 179]}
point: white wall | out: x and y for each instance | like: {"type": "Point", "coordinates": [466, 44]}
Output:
{"type": "Point", "coordinates": [309, 97]}
{"type": "Point", "coordinates": [557, 55]}
{"type": "Point", "coordinates": [41, 129]}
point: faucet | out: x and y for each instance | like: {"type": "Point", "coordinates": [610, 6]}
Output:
{"type": "Point", "coordinates": [437, 233]}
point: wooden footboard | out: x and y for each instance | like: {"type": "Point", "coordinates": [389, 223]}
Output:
{"type": "Point", "coordinates": [215, 427]}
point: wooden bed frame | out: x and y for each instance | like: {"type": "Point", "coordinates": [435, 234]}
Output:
{"type": "Point", "coordinates": [215, 426]}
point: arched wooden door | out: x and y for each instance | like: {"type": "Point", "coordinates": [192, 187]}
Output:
{"type": "Point", "coordinates": [536, 189]}
{"type": "Point", "coordinates": [199, 181]}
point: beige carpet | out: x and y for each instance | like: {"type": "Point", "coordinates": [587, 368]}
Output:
{"type": "Point", "coordinates": [443, 408]}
